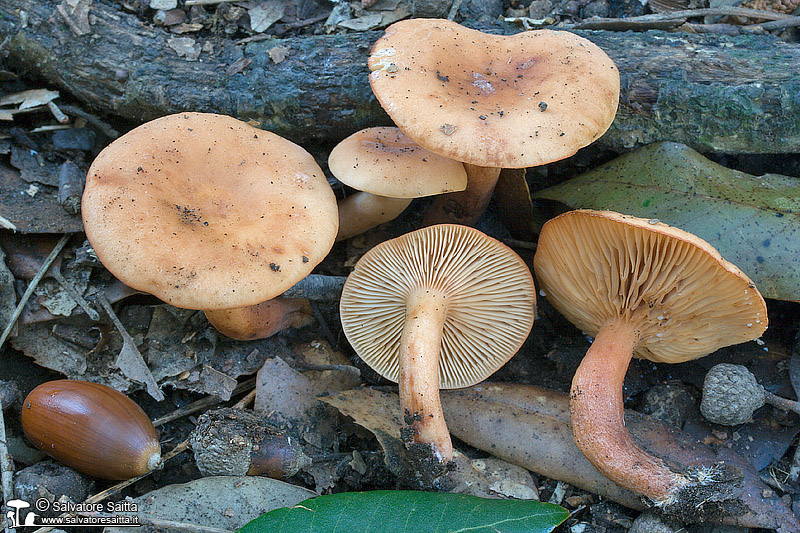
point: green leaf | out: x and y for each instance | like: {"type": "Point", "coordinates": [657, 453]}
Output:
{"type": "Point", "coordinates": [387, 511]}
{"type": "Point", "coordinates": [753, 221]}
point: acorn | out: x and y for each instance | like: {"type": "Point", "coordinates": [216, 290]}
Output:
{"type": "Point", "coordinates": [92, 428]}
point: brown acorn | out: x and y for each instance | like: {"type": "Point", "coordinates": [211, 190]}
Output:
{"type": "Point", "coordinates": [92, 428]}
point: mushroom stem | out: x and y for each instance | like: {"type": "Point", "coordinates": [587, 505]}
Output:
{"type": "Point", "coordinates": [419, 371]}
{"type": "Point", "coordinates": [467, 206]}
{"type": "Point", "coordinates": [261, 320]}
{"type": "Point", "coordinates": [362, 211]}
{"type": "Point", "coordinates": [596, 403]}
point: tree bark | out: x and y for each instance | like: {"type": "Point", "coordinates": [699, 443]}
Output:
{"type": "Point", "coordinates": [712, 92]}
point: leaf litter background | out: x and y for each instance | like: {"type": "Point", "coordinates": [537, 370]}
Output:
{"type": "Point", "coordinates": [755, 227]}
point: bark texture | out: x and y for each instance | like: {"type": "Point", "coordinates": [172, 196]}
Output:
{"type": "Point", "coordinates": [712, 92]}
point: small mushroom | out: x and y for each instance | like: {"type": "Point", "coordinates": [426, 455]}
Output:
{"type": "Point", "coordinates": [206, 212]}
{"type": "Point", "coordinates": [491, 101]}
{"type": "Point", "coordinates": [640, 288]}
{"type": "Point", "coordinates": [441, 307]}
{"type": "Point", "coordinates": [731, 395]}
{"type": "Point", "coordinates": [390, 170]}
{"type": "Point", "coordinates": [262, 320]}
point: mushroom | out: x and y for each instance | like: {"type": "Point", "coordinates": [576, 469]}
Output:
{"type": "Point", "coordinates": [731, 394]}
{"type": "Point", "coordinates": [262, 320]}
{"type": "Point", "coordinates": [491, 101]}
{"type": "Point", "coordinates": [441, 307]}
{"type": "Point", "coordinates": [645, 289]}
{"type": "Point", "coordinates": [390, 170]}
{"type": "Point", "coordinates": [206, 212]}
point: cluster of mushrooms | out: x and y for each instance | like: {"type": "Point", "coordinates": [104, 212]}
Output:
{"type": "Point", "coordinates": [207, 212]}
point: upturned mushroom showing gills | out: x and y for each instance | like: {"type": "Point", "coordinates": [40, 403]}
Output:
{"type": "Point", "coordinates": [645, 289]}
{"type": "Point", "coordinates": [206, 212]}
{"type": "Point", "coordinates": [491, 101]}
{"type": "Point", "coordinates": [441, 307]}
{"type": "Point", "coordinates": [390, 170]}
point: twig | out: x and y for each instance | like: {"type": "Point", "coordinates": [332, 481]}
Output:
{"type": "Point", "coordinates": [515, 243]}
{"type": "Point", "coordinates": [201, 404]}
{"type": "Point", "coordinates": [451, 15]}
{"type": "Point", "coordinates": [74, 294]}
{"type": "Point", "coordinates": [601, 23]}
{"type": "Point", "coordinates": [283, 28]}
{"type": "Point", "coordinates": [317, 287]}
{"type": "Point", "coordinates": [776, 24]}
{"type": "Point", "coordinates": [32, 286]}
{"type": "Point", "coordinates": [244, 402]}
{"type": "Point", "coordinates": [323, 325]}
{"type": "Point", "coordinates": [104, 128]}
{"type": "Point", "coordinates": [6, 467]}
{"type": "Point", "coordinates": [111, 491]}
{"type": "Point", "coordinates": [130, 360]}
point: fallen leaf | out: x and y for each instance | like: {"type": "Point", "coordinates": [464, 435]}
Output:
{"type": "Point", "coordinates": [753, 221]}
{"type": "Point", "coordinates": [225, 502]}
{"type": "Point", "coordinates": [278, 53]}
{"type": "Point", "coordinates": [29, 98]}
{"type": "Point", "coordinates": [414, 464]}
{"type": "Point", "coordinates": [530, 426]}
{"type": "Point", "coordinates": [389, 511]}
{"type": "Point", "coordinates": [265, 14]}
{"type": "Point", "coordinates": [185, 47]}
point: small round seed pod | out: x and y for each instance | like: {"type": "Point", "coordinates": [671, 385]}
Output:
{"type": "Point", "coordinates": [91, 428]}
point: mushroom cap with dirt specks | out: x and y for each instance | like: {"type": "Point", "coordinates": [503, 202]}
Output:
{"type": "Point", "coordinates": [385, 162]}
{"type": "Point", "coordinates": [684, 299]}
{"type": "Point", "coordinates": [489, 295]}
{"type": "Point", "coordinates": [491, 100]}
{"type": "Point", "coordinates": [207, 212]}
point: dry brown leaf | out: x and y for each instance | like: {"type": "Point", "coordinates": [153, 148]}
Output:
{"type": "Point", "coordinates": [29, 98]}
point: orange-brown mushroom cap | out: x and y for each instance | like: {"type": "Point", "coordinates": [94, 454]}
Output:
{"type": "Point", "coordinates": [488, 290]}
{"type": "Point", "coordinates": [207, 212]}
{"type": "Point", "coordinates": [682, 297]}
{"type": "Point", "coordinates": [383, 161]}
{"type": "Point", "coordinates": [494, 101]}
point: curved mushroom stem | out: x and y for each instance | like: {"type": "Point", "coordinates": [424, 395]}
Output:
{"type": "Point", "coordinates": [419, 371]}
{"type": "Point", "coordinates": [596, 404]}
{"type": "Point", "coordinates": [467, 206]}
{"type": "Point", "coordinates": [261, 320]}
{"type": "Point", "coordinates": [362, 211]}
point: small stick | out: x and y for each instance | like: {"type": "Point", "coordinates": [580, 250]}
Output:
{"type": "Point", "coordinates": [244, 402]}
{"type": "Point", "coordinates": [201, 404]}
{"type": "Point", "coordinates": [6, 466]}
{"type": "Point", "coordinates": [454, 10]}
{"type": "Point", "coordinates": [514, 243]}
{"type": "Point", "coordinates": [70, 187]}
{"type": "Point", "coordinates": [111, 491]}
{"type": "Point", "coordinates": [75, 295]}
{"type": "Point", "coordinates": [104, 128]}
{"type": "Point", "coordinates": [32, 286]}
{"type": "Point", "coordinates": [317, 287]}
{"type": "Point", "coordinates": [776, 24]}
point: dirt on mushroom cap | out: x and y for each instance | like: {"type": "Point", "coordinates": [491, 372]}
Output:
{"type": "Point", "coordinates": [207, 212]}
{"type": "Point", "coordinates": [497, 101]}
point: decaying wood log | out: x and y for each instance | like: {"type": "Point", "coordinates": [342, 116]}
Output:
{"type": "Point", "coordinates": [714, 93]}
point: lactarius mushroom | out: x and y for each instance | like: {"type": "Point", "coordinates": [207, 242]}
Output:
{"type": "Point", "coordinates": [207, 212]}
{"type": "Point", "coordinates": [491, 101]}
{"type": "Point", "coordinates": [262, 320]}
{"type": "Point", "coordinates": [390, 170]}
{"type": "Point", "coordinates": [441, 307]}
{"type": "Point", "coordinates": [645, 289]}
